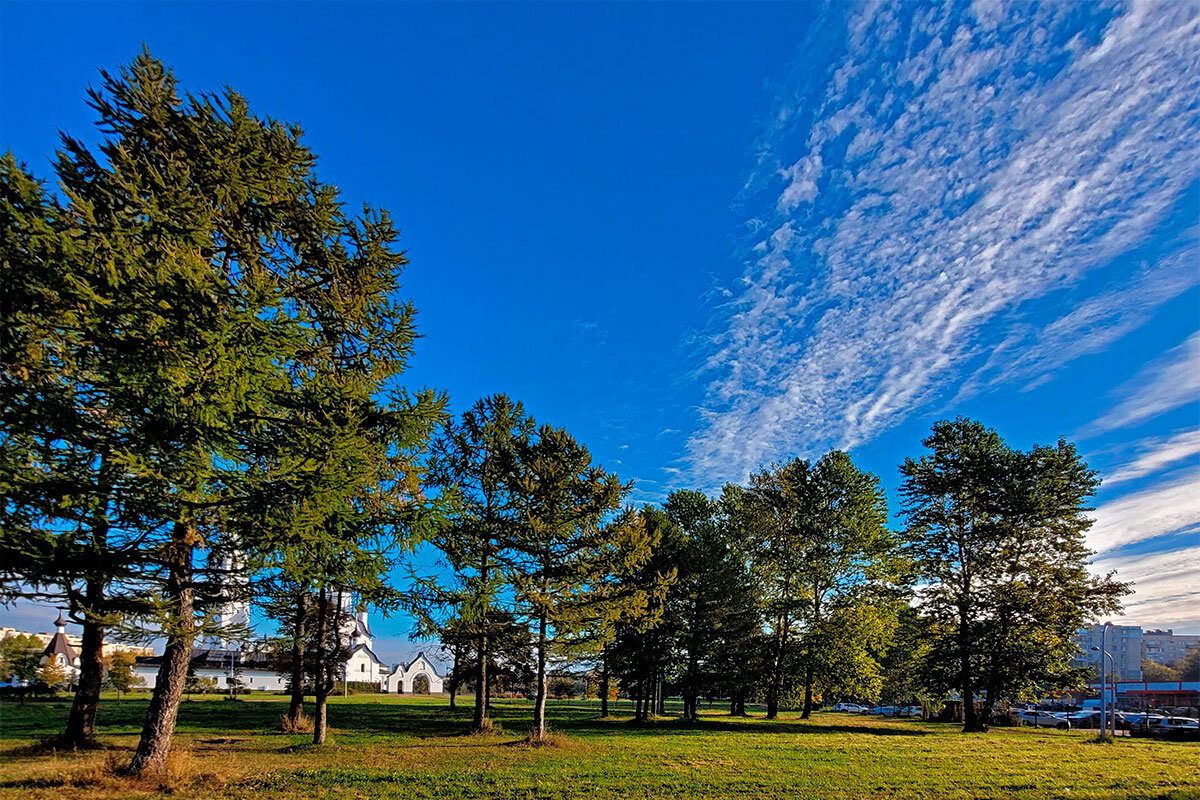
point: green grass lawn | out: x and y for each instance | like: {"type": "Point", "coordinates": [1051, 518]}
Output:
{"type": "Point", "coordinates": [391, 747]}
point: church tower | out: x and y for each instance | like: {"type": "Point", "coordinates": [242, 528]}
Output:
{"type": "Point", "coordinates": [232, 618]}
{"type": "Point", "coordinates": [355, 627]}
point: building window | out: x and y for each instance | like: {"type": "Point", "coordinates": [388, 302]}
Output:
{"type": "Point", "coordinates": [362, 667]}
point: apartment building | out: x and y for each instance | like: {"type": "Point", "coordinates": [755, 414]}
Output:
{"type": "Point", "coordinates": [1123, 642]}
{"type": "Point", "coordinates": [1167, 647]}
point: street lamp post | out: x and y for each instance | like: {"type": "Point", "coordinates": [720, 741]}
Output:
{"type": "Point", "coordinates": [1104, 683]}
{"type": "Point", "coordinates": [1104, 692]}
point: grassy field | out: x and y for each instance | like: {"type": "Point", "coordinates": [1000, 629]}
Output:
{"type": "Point", "coordinates": [414, 748]}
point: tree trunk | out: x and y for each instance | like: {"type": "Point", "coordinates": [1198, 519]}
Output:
{"type": "Point", "coordinates": [487, 695]}
{"type": "Point", "coordinates": [452, 685]}
{"type": "Point", "coordinates": [538, 734]}
{"type": "Point", "coordinates": [81, 723]}
{"type": "Point", "coordinates": [323, 683]}
{"type": "Point", "coordinates": [320, 715]}
{"type": "Point", "coordinates": [660, 696]}
{"type": "Point", "coordinates": [299, 632]}
{"type": "Point", "coordinates": [775, 686]}
{"type": "Point", "coordinates": [808, 683]}
{"type": "Point", "coordinates": [971, 723]}
{"type": "Point", "coordinates": [479, 721]}
{"type": "Point", "coordinates": [159, 728]}
{"type": "Point", "coordinates": [604, 684]}
{"type": "Point", "coordinates": [690, 700]}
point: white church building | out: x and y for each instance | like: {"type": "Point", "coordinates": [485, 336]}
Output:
{"type": "Point", "coordinates": [228, 665]}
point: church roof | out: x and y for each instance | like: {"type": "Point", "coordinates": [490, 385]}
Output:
{"type": "Point", "coordinates": [60, 646]}
{"type": "Point", "coordinates": [369, 652]}
{"type": "Point", "coordinates": [216, 658]}
{"type": "Point", "coordinates": [428, 660]}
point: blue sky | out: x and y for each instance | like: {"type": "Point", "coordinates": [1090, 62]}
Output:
{"type": "Point", "coordinates": [706, 237]}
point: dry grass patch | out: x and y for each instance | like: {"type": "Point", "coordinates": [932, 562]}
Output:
{"type": "Point", "coordinates": [104, 775]}
{"type": "Point", "coordinates": [302, 725]}
{"type": "Point", "coordinates": [555, 739]}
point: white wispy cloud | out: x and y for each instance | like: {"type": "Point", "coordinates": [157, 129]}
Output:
{"type": "Point", "coordinates": [958, 165]}
{"type": "Point", "coordinates": [1168, 383]}
{"type": "Point", "coordinates": [1031, 353]}
{"type": "Point", "coordinates": [1165, 586]}
{"type": "Point", "coordinates": [1156, 453]}
{"type": "Point", "coordinates": [1171, 506]}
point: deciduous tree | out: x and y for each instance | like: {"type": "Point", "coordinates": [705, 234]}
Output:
{"type": "Point", "coordinates": [63, 529]}
{"type": "Point", "coordinates": [230, 303]}
{"type": "Point", "coordinates": [20, 657]}
{"type": "Point", "coordinates": [997, 539]}
{"type": "Point", "coordinates": [120, 676]}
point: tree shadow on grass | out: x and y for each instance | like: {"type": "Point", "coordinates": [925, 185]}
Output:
{"type": "Point", "coordinates": [431, 722]}
{"type": "Point", "coordinates": [669, 727]}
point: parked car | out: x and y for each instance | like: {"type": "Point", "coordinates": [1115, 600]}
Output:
{"type": "Point", "coordinates": [1138, 720]}
{"type": "Point", "coordinates": [1044, 719]}
{"type": "Point", "coordinates": [1084, 719]}
{"type": "Point", "coordinates": [886, 711]}
{"type": "Point", "coordinates": [850, 708]}
{"type": "Point", "coordinates": [910, 711]}
{"type": "Point", "coordinates": [1175, 728]}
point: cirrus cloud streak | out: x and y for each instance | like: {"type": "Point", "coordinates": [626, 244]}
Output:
{"type": "Point", "coordinates": [958, 165]}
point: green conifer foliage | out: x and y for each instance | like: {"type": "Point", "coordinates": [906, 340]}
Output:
{"type": "Point", "coordinates": [239, 331]}
{"type": "Point", "coordinates": [572, 554]}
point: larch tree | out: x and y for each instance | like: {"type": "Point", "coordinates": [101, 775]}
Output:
{"type": "Point", "coordinates": [291, 605]}
{"type": "Point", "coordinates": [644, 650]}
{"type": "Point", "coordinates": [226, 296]}
{"type": "Point", "coordinates": [182, 213]}
{"type": "Point", "coordinates": [337, 501]}
{"type": "Point", "coordinates": [572, 550]}
{"type": "Point", "coordinates": [63, 528]}
{"type": "Point", "coordinates": [472, 464]}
